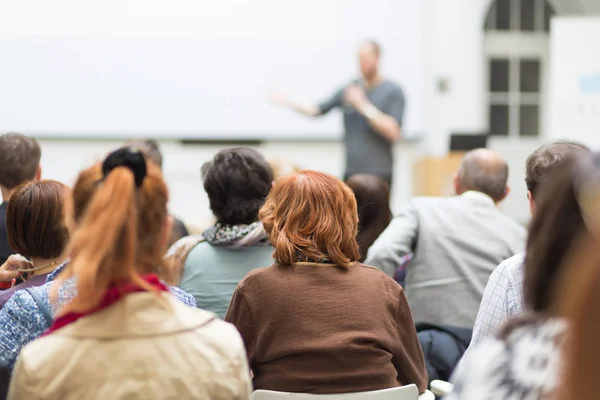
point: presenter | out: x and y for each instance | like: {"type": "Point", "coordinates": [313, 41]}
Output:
{"type": "Point", "coordinates": [373, 108]}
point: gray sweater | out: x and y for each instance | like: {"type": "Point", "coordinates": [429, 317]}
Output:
{"type": "Point", "coordinates": [457, 242]}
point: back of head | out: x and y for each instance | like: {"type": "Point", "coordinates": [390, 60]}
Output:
{"type": "Point", "coordinates": [579, 290]}
{"type": "Point", "coordinates": [311, 216]}
{"type": "Point", "coordinates": [374, 215]}
{"type": "Point", "coordinates": [483, 171]}
{"type": "Point", "coordinates": [237, 181]}
{"type": "Point", "coordinates": [35, 220]}
{"type": "Point", "coordinates": [19, 159]}
{"type": "Point", "coordinates": [545, 158]}
{"type": "Point", "coordinates": [150, 149]}
{"type": "Point", "coordinates": [119, 210]}
{"type": "Point", "coordinates": [553, 231]}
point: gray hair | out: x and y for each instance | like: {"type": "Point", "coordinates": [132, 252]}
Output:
{"type": "Point", "coordinates": [484, 171]}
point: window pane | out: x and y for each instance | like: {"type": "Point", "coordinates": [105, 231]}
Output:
{"type": "Point", "coordinates": [503, 15]}
{"type": "Point", "coordinates": [548, 13]}
{"type": "Point", "coordinates": [528, 15]}
{"type": "Point", "coordinates": [530, 76]}
{"type": "Point", "coordinates": [499, 75]}
{"type": "Point", "coordinates": [490, 20]}
{"type": "Point", "coordinates": [499, 120]}
{"type": "Point", "coordinates": [529, 120]}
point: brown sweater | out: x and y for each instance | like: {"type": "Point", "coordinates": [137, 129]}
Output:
{"type": "Point", "coordinates": [318, 328]}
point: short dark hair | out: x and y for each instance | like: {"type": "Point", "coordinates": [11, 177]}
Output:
{"type": "Point", "coordinates": [373, 202]}
{"type": "Point", "coordinates": [20, 159]}
{"type": "Point", "coordinates": [150, 149]}
{"type": "Point", "coordinates": [485, 172]}
{"type": "Point", "coordinates": [35, 220]}
{"type": "Point", "coordinates": [375, 45]}
{"type": "Point", "coordinates": [554, 228]}
{"type": "Point", "coordinates": [237, 181]}
{"type": "Point", "coordinates": [546, 157]}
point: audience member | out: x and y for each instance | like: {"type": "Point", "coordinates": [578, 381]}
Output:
{"type": "Point", "coordinates": [19, 163]}
{"type": "Point", "coordinates": [151, 151]}
{"type": "Point", "coordinates": [237, 182]}
{"type": "Point", "coordinates": [282, 168]}
{"type": "Point", "coordinates": [122, 311]}
{"type": "Point", "coordinates": [318, 321]}
{"type": "Point", "coordinates": [503, 295]}
{"type": "Point", "coordinates": [29, 313]}
{"type": "Point", "coordinates": [374, 215]}
{"type": "Point", "coordinates": [524, 360]}
{"type": "Point", "coordinates": [36, 225]}
{"type": "Point", "coordinates": [580, 295]}
{"type": "Point", "coordinates": [456, 241]}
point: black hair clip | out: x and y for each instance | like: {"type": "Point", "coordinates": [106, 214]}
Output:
{"type": "Point", "coordinates": [126, 157]}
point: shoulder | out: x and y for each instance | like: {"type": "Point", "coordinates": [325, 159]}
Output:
{"type": "Point", "coordinates": [393, 87]}
{"type": "Point", "coordinates": [526, 359]}
{"type": "Point", "coordinates": [377, 277]}
{"type": "Point", "coordinates": [210, 329]}
{"type": "Point", "coordinates": [513, 266]}
{"type": "Point", "coordinates": [375, 273]}
{"type": "Point", "coordinates": [259, 275]}
{"type": "Point", "coordinates": [508, 268]}
{"type": "Point", "coordinates": [182, 296]}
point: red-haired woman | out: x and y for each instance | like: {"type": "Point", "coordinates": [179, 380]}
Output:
{"type": "Point", "coordinates": [122, 335]}
{"type": "Point", "coordinates": [319, 321]}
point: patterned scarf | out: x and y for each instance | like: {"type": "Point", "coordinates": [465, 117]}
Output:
{"type": "Point", "coordinates": [235, 236]}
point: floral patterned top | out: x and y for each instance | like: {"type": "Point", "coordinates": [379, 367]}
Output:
{"type": "Point", "coordinates": [21, 321]}
{"type": "Point", "coordinates": [524, 365]}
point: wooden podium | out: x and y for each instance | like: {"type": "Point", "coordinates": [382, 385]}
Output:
{"type": "Point", "coordinates": [432, 176]}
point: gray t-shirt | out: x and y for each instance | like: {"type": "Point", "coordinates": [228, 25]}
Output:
{"type": "Point", "coordinates": [367, 151]}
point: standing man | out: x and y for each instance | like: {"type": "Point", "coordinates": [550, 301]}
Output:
{"type": "Point", "coordinates": [373, 109]}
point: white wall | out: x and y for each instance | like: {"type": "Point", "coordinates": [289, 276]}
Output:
{"type": "Point", "coordinates": [451, 37]}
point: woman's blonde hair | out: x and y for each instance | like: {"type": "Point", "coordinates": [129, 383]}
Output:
{"type": "Point", "coordinates": [312, 216]}
{"type": "Point", "coordinates": [120, 230]}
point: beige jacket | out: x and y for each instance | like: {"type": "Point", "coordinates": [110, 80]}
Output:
{"type": "Point", "coordinates": [141, 348]}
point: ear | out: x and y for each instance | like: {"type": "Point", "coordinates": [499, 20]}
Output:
{"type": "Point", "coordinates": [456, 184]}
{"type": "Point", "coordinates": [38, 173]}
{"type": "Point", "coordinates": [167, 228]}
{"type": "Point", "coordinates": [531, 202]}
{"type": "Point", "coordinates": [506, 193]}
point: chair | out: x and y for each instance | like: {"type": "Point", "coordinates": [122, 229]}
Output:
{"type": "Point", "coordinates": [408, 392]}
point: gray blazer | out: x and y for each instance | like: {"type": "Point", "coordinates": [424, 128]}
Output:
{"type": "Point", "coordinates": [456, 242]}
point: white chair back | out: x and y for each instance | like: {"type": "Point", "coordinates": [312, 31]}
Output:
{"type": "Point", "coordinates": [408, 392]}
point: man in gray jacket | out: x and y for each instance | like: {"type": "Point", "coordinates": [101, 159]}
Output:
{"type": "Point", "coordinates": [456, 242]}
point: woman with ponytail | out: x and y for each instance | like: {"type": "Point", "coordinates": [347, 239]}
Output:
{"type": "Point", "coordinates": [118, 333]}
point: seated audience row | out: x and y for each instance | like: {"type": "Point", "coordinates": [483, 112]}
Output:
{"type": "Point", "coordinates": [456, 241]}
{"type": "Point", "coordinates": [120, 222]}
{"type": "Point", "coordinates": [525, 359]}
{"type": "Point", "coordinates": [282, 264]}
{"type": "Point", "coordinates": [312, 323]}
{"type": "Point", "coordinates": [209, 266]}
{"type": "Point", "coordinates": [503, 297]}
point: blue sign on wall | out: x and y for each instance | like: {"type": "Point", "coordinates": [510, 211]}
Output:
{"type": "Point", "coordinates": [589, 83]}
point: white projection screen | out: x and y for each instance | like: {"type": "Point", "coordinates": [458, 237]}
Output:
{"type": "Point", "coordinates": [189, 69]}
{"type": "Point", "coordinates": [574, 112]}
